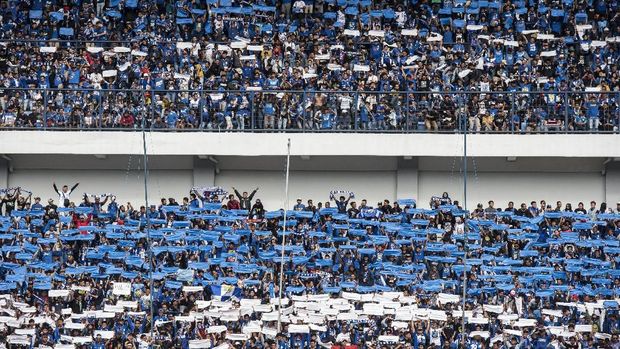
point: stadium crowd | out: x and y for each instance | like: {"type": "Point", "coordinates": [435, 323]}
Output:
{"type": "Point", "coordinates": [76, 273]}
{"type": "Point", "coordinates": [391, 60]}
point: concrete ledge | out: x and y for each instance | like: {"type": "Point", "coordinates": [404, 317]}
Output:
{"type": "Point", "coordinates": [311, 144]}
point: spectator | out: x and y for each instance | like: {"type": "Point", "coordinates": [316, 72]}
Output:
{"type": "Point", "coordinates": [299, 206]}
{"type": "Point", "coordinates": [245, 200]}
{"type": "Point", "coordinates": [192, 250]}
{"type": "Point", "coordinates": [232, 204]}
{"type": "Point", "coordinates": [64, 195]}
{"type": "Point", "coordinates": [383, 51]}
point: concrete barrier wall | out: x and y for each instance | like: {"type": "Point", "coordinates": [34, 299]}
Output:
{"type": "Point", "coordinates": [371, 177]}
{"type": "Point", "coordinates": [313, 144]}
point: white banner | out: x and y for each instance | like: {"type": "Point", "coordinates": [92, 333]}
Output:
{"type": "Point", "coordinates": [58, 293]}
{"type": "Point", "coordinates": [121, 288]}
{"type": "Point", "coordinates": [121, 49]}
{"type": "Point", "coordinates": [298, 328]}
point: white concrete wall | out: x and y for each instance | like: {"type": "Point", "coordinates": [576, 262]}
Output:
{"type": "Point", "coordinates": [4, 173]}
{"type": "Point", "coordinates": [314, 144]}
{"type": "Point", "coordinates": [514, 186]}
{"type": "Point", "coordinates": [371, 177]}
{"type": "Point", "coordinates": [127, 186]}
{"type": "Point", "coordinates": [612, 184]}
{"type": "Point", "coordinates": [316, 185]}
{"type": "Point", "coordinates": [373, 186]}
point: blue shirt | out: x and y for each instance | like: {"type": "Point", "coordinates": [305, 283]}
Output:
{"type": "Point", "coordinates": [327, 120]}
{"type": "Point", "coordinates": [592, 110]}
{"type": "Point", "coordinates": [268, 109]}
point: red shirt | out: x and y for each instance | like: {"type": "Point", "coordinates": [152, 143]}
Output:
{"type": "Point", "coordinates": [81, 223]}
{"type": "Point", "coordinates": [127, 120]}
{"type": "Point", "coordinates": [233, 204]}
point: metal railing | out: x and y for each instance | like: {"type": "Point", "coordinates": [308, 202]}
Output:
{"type": "Point", "coordinates": [310, 111]}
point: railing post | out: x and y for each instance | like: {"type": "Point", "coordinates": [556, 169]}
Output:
{"type": "Point", "coordinates": [144, 108]}
{"type": "Point", "coordinates": [152, 109]}
{"type": "Point", "coordinates": [252, 110]}
{"type": "Point", "coordinates": [463, 124]}
{"type": "Point", "coordinates": [618, 112]}
{"type": "Point", "coordinates": [144, 118]}
{"type": "Point", "coordinates": [407, 119]}
{"type": "Point", "coordinates": [101, 101]}
{"type": "Point", "coordinates": [356, 111]}
{"type": "Point", "coordinates": [512, 112]}
{"type": "Point", "coordinates": [566, 111]}
{"type": "Point", "coordinates": [200, 110]}
{"type": "Point", "coordinates": [45, 108]}
{"type": "Point", "coordinates": [305, 114]}
{"type": "Point", "coordinates": [82, 120]}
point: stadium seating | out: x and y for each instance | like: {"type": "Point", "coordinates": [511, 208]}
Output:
{"type": "Point", "coordinates": [398, 65]}
{"type": "Point", "coordinates": [354, 276]}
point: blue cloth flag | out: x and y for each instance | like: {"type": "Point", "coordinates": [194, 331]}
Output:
{"type": "Point", "coordinates": [226, 292]}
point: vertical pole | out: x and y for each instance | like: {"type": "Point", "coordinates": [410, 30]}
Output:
{"type": "Point", "coordinates": [148, 222]}
{"type": "Point", "coordinates": [288, 162]}
{"type": "Point", "coordinates": [253, 110]}
{"type": "Point", "coordinates": [566, 111]}
{"type": "Point", "coordinates": [45, 108]}
{"type": "Point", "coordinates": [512, 112]}
{"type": "Point", "coordinates": [463, 334]}
{"type": "Point", "coordinates": [153, 105]}
{"type": "Point", "coordinates": [356, 111]}
{"type": "Point", "coordinates": [618, 112]}
{"type": "Point", "coordinates": [101, 101]}
{"type": "Point", "coordinates": [407, 119]}
{"type": "Point", "coordinates": [305, 115]}
{"type": "Point", "coordinates": [201, 110]}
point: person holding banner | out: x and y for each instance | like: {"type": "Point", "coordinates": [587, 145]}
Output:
{"type": "Point", "coordinates": [343, 202]}
{"type": "Point", "coordinates": [8, 200]}
{"type": "Point", "coordinates": [215, 275]}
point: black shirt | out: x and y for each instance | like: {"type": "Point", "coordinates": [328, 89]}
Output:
{"type": "Point", "coordinates": [353, 212]}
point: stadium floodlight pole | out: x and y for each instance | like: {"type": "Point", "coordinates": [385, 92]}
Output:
{"type": "Point", "coordinates": [148, 224]}
{"type": "Point", "coordinates": [463, 334]}
{"type": "Point", "coordinates": [288, 163]}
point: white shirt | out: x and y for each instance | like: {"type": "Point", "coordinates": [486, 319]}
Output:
{"type": "Point", "coordinates": [299, 4]}
{"type": "Point", "coordinates": [62, 196]}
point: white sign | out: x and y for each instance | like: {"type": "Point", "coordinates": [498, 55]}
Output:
{"type": "Point", "coordinates": [122, 288]}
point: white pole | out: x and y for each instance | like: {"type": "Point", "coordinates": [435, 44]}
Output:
{"type": "Point", "coordinates": [465, 240]}
{"type": "Point", "coordinates": [148, 226]}
{"type": "Point", "coordinates": [288, 162]}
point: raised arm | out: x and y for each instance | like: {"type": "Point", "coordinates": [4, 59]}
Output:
{"type": "Point", "coordinates": [16, 193]}
{"type": "Point", "coordinates": [56, 188]}
{"type": "Point", "coordinates": [252, 194]}
{"type": "Point", "coordinates": [73, 187]}
{"type": "Point", "coordinates": [237, 193]}
{"type": "Point", "coordinates": [202, 198]}
{"type": "Point", "coordinates": [350, 196]}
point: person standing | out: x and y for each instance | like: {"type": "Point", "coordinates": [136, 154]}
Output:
{"type": "Point", "coordinates": [245, 200]}
{"type": "Point", "coordinates": [9, 200]}
{"type": "Point", "coordinates": [64, 195]}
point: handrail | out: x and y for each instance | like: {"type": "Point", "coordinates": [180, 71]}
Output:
{"type": "Point", "coordinates": [558, 115]}
{"type": "Point", "coordinates": [387, 93]}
